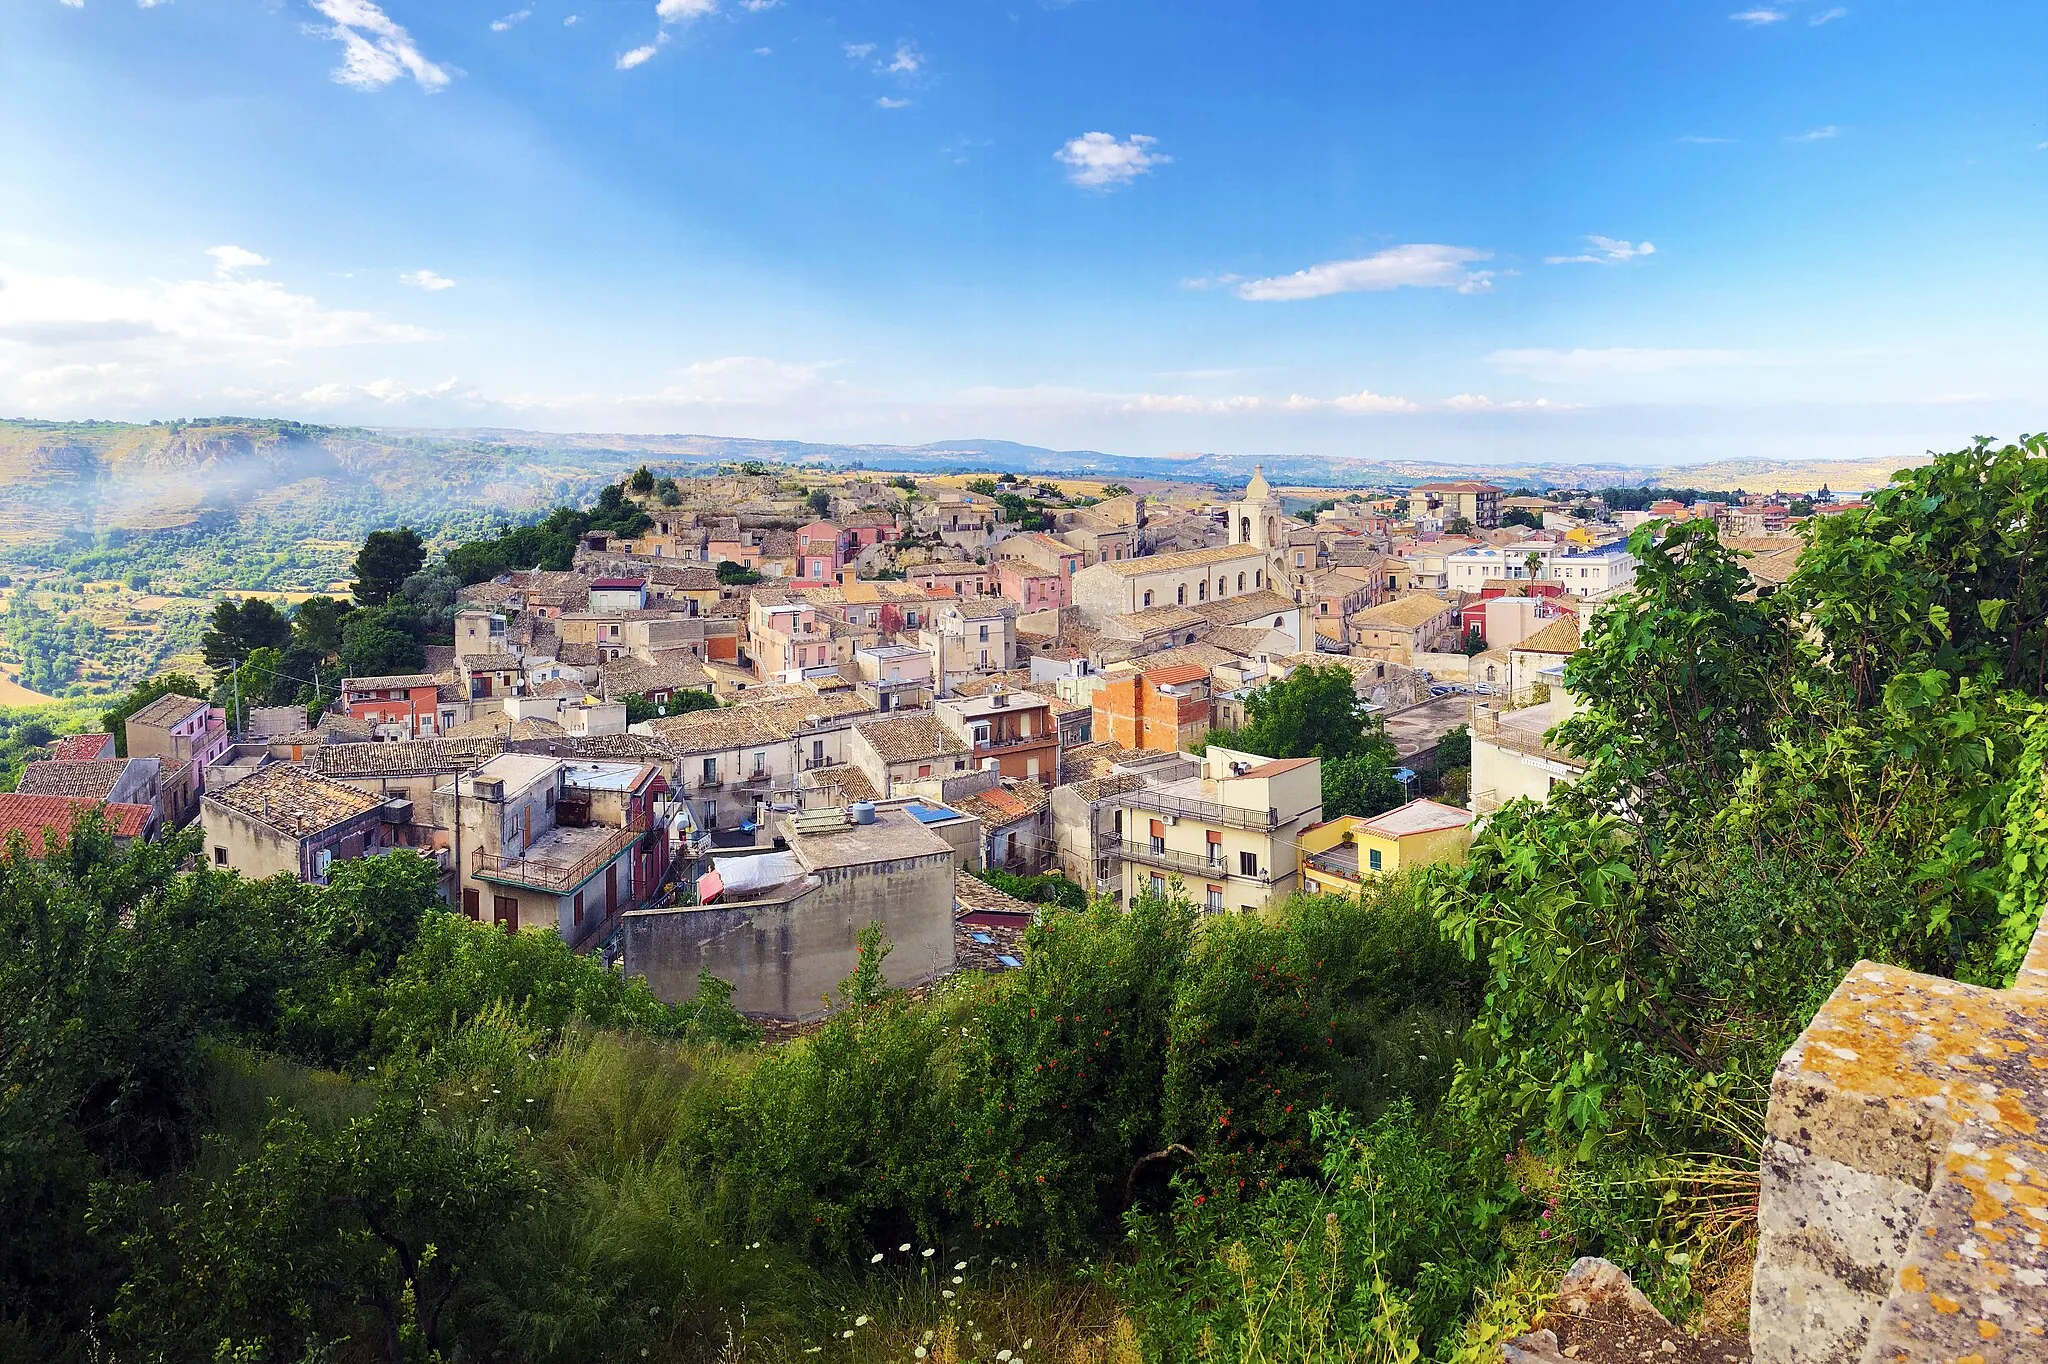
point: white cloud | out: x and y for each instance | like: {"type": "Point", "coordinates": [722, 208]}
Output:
{"type": "Point", "coordinates": [515, 17]}
{"type": "Point", "coordinates": [860, 52]}
{"type": "Point", "coordinates": [1574, 366]}
{"type": "Point", "coordinates": [683, 11]}
{"type": "Point", "coordinates": [1611, 250]}
{"type": "Point", "coordinates": [76, 340]}
{"type": "Point", "coordinates": [1757, 18]}
{"type": "Point", "coordinates": [572, 21]}
{"type": "Point", "coordinates": [1415, 266]}
{"type": "Point", "coordinates": [756, 6]}
{"type": "Point", "coordinates": [1816, 135]}
{"type": "Point", "coordinates": [1828, 16]}
{"type": "Point", "coordinates": [228, 259]}
{"type": "Point", "coordinates": [426, 279]}
{"type": "Point", "coordinates": [150, 4]}
{"type": "Point", "coordinates": [763, 51]}
{"type": "Point", "coordinates": [628, 60]}
{"type": "Point", "coordinates": [1479, 402]}
{"type": "Point", "coordinates": [375, 50]}
{"type": "Point", "coordinates": [1697, 140]}
{"type": "Point", "coordinates": [1052, 398]}
{"type": "Point", "coordinates": [884, 102]}
{"type": "Point", "coordinates": [740, 381]}
{"type": "Point", "coordinates": [908, 60]}
{"type": "Point", "coordinates": [72, 4]}
{"type": "Point", "coordinates": [1366, 402]}
{"type": "Point", "coordinates": [1099, 161]}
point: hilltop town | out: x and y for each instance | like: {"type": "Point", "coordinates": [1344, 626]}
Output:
{"type": "Point", "coordinates": [680, 725]}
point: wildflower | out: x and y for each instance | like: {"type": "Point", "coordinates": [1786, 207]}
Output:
{"type": "Point", "coordinates": [904, 1246]}
{"type": "Point", "coordinates": [846, 1335]}
{"type": "Point", "coordinates": [945, 1292]}
{"type": "Point", "coordinates": [1003, 1357]}
{"type": "Point", "coordinates": [929, 1251]}
{"type": "Point", "coordinates": [1027, 1342]}
{"type": "Point", "coordinates": [875, 1258]}
{"type": "Point", "coordinates": [918, 1353]}
{"type": "Point", "coordinates": [958, 1279]}
{"type": "Point", "coordinates": [861, 1320]}
{"type": "Point", "coordinates": [961, 1265]}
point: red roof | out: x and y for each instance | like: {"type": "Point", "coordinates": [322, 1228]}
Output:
{"type": "Point", "coordinates": [84, 748]}
{"type": "Point", "coordinates": [1177, 676]}
{"type": "Point", "coordinates": [617, 584]}
{"type": "Point", "coordinates": [48, 820]}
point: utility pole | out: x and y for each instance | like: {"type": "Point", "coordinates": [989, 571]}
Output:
{"type": "Point", "coordinates": [235, 671]}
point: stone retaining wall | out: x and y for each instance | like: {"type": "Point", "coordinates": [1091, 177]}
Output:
{"type": "Point", "coordinates": [1905, 1176]}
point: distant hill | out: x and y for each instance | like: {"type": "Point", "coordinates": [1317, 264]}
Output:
{"type": "Point", "coordinates": [99, 476]}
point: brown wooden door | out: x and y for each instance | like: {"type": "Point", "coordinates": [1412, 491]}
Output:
{"type": "Point", "coordinates": [505, 912]}
{"type": "Point", "coordinates": [472, 902]}
{"type": "Point", "coordinates": [611, 888]}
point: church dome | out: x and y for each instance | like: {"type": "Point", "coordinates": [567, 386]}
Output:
{"type": "Point", "coordinates": [1258, 489]}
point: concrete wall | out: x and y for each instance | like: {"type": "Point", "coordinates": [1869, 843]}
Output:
{"type": "Point", "coordinates": [784, 959]}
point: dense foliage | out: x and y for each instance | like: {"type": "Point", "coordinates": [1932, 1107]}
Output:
{"type": "Point", "coordinates": [265, 1121]}
{"type": "Point", "coordinates": [1316, 712]}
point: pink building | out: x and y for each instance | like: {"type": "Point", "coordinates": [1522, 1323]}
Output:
{"type": "Point", "coordinates": [821, 549]}
{"type": "Point", "coordinates": [1033, 589]}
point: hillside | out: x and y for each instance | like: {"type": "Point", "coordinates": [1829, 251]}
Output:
{"type": "Point", "coordinates": [94, 477]}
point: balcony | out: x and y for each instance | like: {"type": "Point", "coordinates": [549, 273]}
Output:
{"type": "Point", "coordinates": [711, 783]}
{"type": "Point", "coordinates": [757, 780]}
{"type": "Point", "coordinates": [1202, 811]}
{"type": "Point", "coordinates": [1190, 863]}
{"type": "Point", "coordinates": [1025, 741]}
{"type": "Point", "coordinates": [1340, 861]}
{"type": "Point", "coordinates": [562, 860]}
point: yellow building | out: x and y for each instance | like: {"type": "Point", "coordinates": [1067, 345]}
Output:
{"type": "Point", "coordinates": [1226, 833]}
{"type": "Point", "coordinates": [1337, 856]}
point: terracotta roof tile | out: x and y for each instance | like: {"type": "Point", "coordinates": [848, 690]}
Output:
{"type": "Point", "coordinates": [47, 820]}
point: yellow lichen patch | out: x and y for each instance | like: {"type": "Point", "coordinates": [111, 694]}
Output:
{"type": "Point", "coordinates": [1912, 1280]}
{"type": "Point", "coordinates": [1987, 1329]}
{"type": "Point", "coordinates": [1943, 1304]}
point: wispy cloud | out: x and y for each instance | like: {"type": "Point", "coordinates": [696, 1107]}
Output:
{"type": "Point", "coordinates": [1574, 366]}
{"type": "Point", "coordinates": [1099, 161]}
{"type": "Point", "coordinates": [1828, 16]}
{"type": "Point", "coordinates": [756, 6]}
{"type": "Point", "coordinates": [683, 11]}
{"type": "Point", "coordinates": [518, 16]}
{"type": "Point", "coordinates": [72, 340]}
{"type": "Point", "coordinates": [640, 55]}
{"type": "Point", "coordinates": [1420, 265]}
{"type": "Point", "coordinates": [1608, 251]}
{"type": "Point", "coordinates": [1816, 134]}
{"type": "Point", "coordinates": [1757, 18]}
{"type": "Point", "coordinates": [375, 50]}
{"type": "Point", "coordinates": [885, 102]}
{"type": "Point", "coordinates": [1698, 140]}
{"type": "Point", "coordinates": [1479, 402]}
{"type": "Point", "coordinates": [908, 60]}
{"type": "Point", "coordinates": [427, 280]}
{"type": "Point", "coordinates": [1081, 401]}
{"type": "Point", "coordinates": [227, 260]}
{"type": "Point", "coordinates": [859, 52]}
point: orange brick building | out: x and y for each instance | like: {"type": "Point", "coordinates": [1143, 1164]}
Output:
{"type": "Point", "coordinates": [1166, 710]}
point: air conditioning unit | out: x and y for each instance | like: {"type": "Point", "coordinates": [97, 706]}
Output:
{"type": "Point", "coordinates": [1170, 820]}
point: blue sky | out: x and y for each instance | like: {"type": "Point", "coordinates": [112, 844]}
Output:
{"type": "Point", "coordinates": [1648, 232]}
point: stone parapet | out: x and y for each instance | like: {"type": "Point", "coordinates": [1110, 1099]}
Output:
{"type": "Point", "coordinates": [1904, 1208]}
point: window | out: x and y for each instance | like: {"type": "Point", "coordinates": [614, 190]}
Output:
{"type": "Point", "coordinates": [1247, 863]}
{"type": "Point", "coordinates": [1148, 599]}
{"type": "Point", "coordinates": [760, 762]}
{"type": "Point", "coordinates": [710, 771]}
{"type": "Point", "coordinates": [1158, 843]}
{"type": "Point", "coordinates": [984, 634]}
{"type": "Point", "coordinates": [220, 856]}
{"type": "Point", "coordinates": [1214, 903]}
{"type": "Point", "coordinates": [1299, 558]}
{"type": "Point", "coordinates": [1158, 884]}
{"type": "Point", "coordinates": [471, 903]}
{"type": "Point", "coordinates": [505, 912]}
{"type": "Point", "coordinates": [1240, 582]}
{"type": "Point", "coordinates": [1180, 595]}
{"type": "Point", "coordinates": [1372, 858]}
{"type": "Point", "coordinates": [924, 769]}
{"type": "Point", "coordinates": [1215, 848]}
{"type": "Point", "coordinates": [551, 798]}
{"type": "Point", "coordinates": [579, 907]}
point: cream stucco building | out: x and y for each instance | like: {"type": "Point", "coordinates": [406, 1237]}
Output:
{"type": "Point", "coordinates": [1226, 834]}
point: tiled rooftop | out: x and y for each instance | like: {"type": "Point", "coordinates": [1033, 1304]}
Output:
{"type": "Point", "coordinates": [293, 801]}
{"type": "Point", "coordinates": [166, 711]}
{"type": "Point", "coordinates": [87, 780]}
{"type": "Point", "coordinates": [74, 748]}
{"type": "Point", "coordinates": [1188, 558]}
{"type": "Point", "coordinates": [906, 738]}
{"type": "Point", "coordinates": [47, 820]}
{"type": "Point", "coordinates": [400, 759]}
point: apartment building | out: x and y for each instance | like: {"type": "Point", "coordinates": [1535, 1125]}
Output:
{"type": "Point", "coordinates": [1016, 729]}
{"type": "Point", "coordinates": [189, 735]}
{"type": "Point", "coordinates": [890, 677]}
{"type": "Point", "coordinates": [1478, 503]}
{"type": "Point", "coordinates": [729, 761]}
{"type": "Point", "coordinates": [538, 842]}
{"type": "Point", "coordinates": [1226, 834]}
{"type": "Point", "coordinates": [1163, 709]}
{"type": "Point", "coordinates": [787, 640]}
